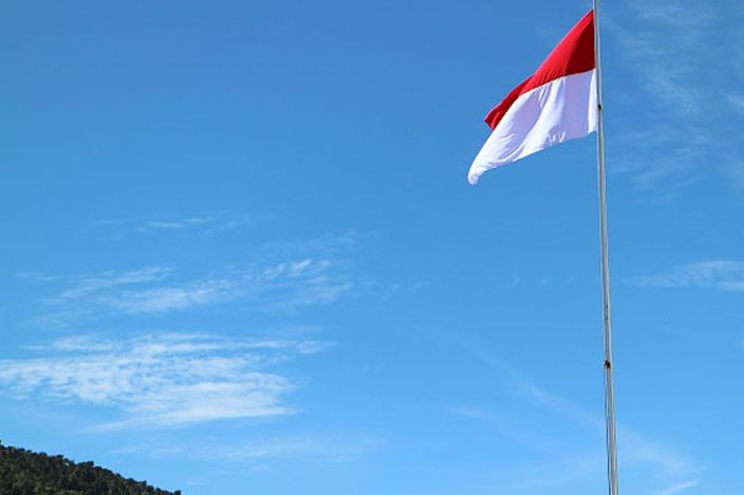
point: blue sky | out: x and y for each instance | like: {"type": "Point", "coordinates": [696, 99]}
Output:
{"type": "Point", "coordinates": [241, 255]}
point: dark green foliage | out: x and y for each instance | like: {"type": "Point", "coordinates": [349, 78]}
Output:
{"type": "Point", "coordinates": [23, 472]}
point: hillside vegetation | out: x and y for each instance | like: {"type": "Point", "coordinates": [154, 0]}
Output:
{"type": "Point", "coordinates": [23, 472]}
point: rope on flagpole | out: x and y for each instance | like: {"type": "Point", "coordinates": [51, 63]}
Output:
{"type": "Point", "coordinates": [612, 476]}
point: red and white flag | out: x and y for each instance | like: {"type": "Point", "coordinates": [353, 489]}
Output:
{"type": "Point", "coordinates": [557, 103]}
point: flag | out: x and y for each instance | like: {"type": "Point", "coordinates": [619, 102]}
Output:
{"type": "Point", "coordinates": [557, 103]}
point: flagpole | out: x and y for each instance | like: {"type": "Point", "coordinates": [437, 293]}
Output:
{"type": "Point", "coordinates": [609, 385]}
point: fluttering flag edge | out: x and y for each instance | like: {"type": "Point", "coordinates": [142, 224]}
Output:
{"type": "Point", "coordinates": [556, 104]}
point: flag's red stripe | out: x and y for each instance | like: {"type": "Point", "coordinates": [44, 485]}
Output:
{"type": "Point", "coordinates": [573, 55]}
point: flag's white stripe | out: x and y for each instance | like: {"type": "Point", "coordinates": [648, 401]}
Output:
{"type": "Point", "coordinates": [563, 109]}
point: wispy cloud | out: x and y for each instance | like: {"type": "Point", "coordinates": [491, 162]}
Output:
{"type": "Point", "coordinates": [294, 447]}
{"type": "Point", "coordinates": [671, 42]}
{"type": "Point", "coordinates": [195, 224]}
{"type": "Point", "coordinates": [670, 469]}
{"type": "Point", "coordinates": [678, 55]}
{"type": "Point", "coordinates": [678, 487]}
{"type": "Point", "coordinates": [545, 477]}
{"type": "Point", "coordinates": [285, 447]}
{"type": "Point", "coordinates": [727, 275]}
{"type": "Point", "coordinates": [662, 160]}
{"type": "Point", "coordinates": [82, 286]}
{"type": "Point", "coordinates": [257, 454]}
{"type": "Point", "coordinates": [278, 279]}
{"type": "Point", "coordinates": [160, 380]}
{"type": "Point", "coordinates": [669, 466]}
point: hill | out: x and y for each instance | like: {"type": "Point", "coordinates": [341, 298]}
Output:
{"type": "Point", "coordinates": [23, 472]}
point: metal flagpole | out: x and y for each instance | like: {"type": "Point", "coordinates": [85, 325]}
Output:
{"type": "Point", "coordinates": [609, 386]}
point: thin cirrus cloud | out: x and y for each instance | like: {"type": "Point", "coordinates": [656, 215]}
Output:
{"type": "Point", "coordinates": [726, 275]}
{"type": "Point", "coordinates": [166, 380]}
{"type": "Point", "coordinates": [297, 447]}
{"type": "Point", "coordinates": [208, 223]}
{"type": "Point", "coordinates": [256, 451]}
{"type": "Point", "coordinates": [661, 31]}
{"type": "Point", "coordinates": [672, 470]}
{"type": "Point", "coordinates": [678, 487]}
{"type": "Point", "coordinates": [267, 285]}
{"type": "Point", "coordinates": [670, 50]}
